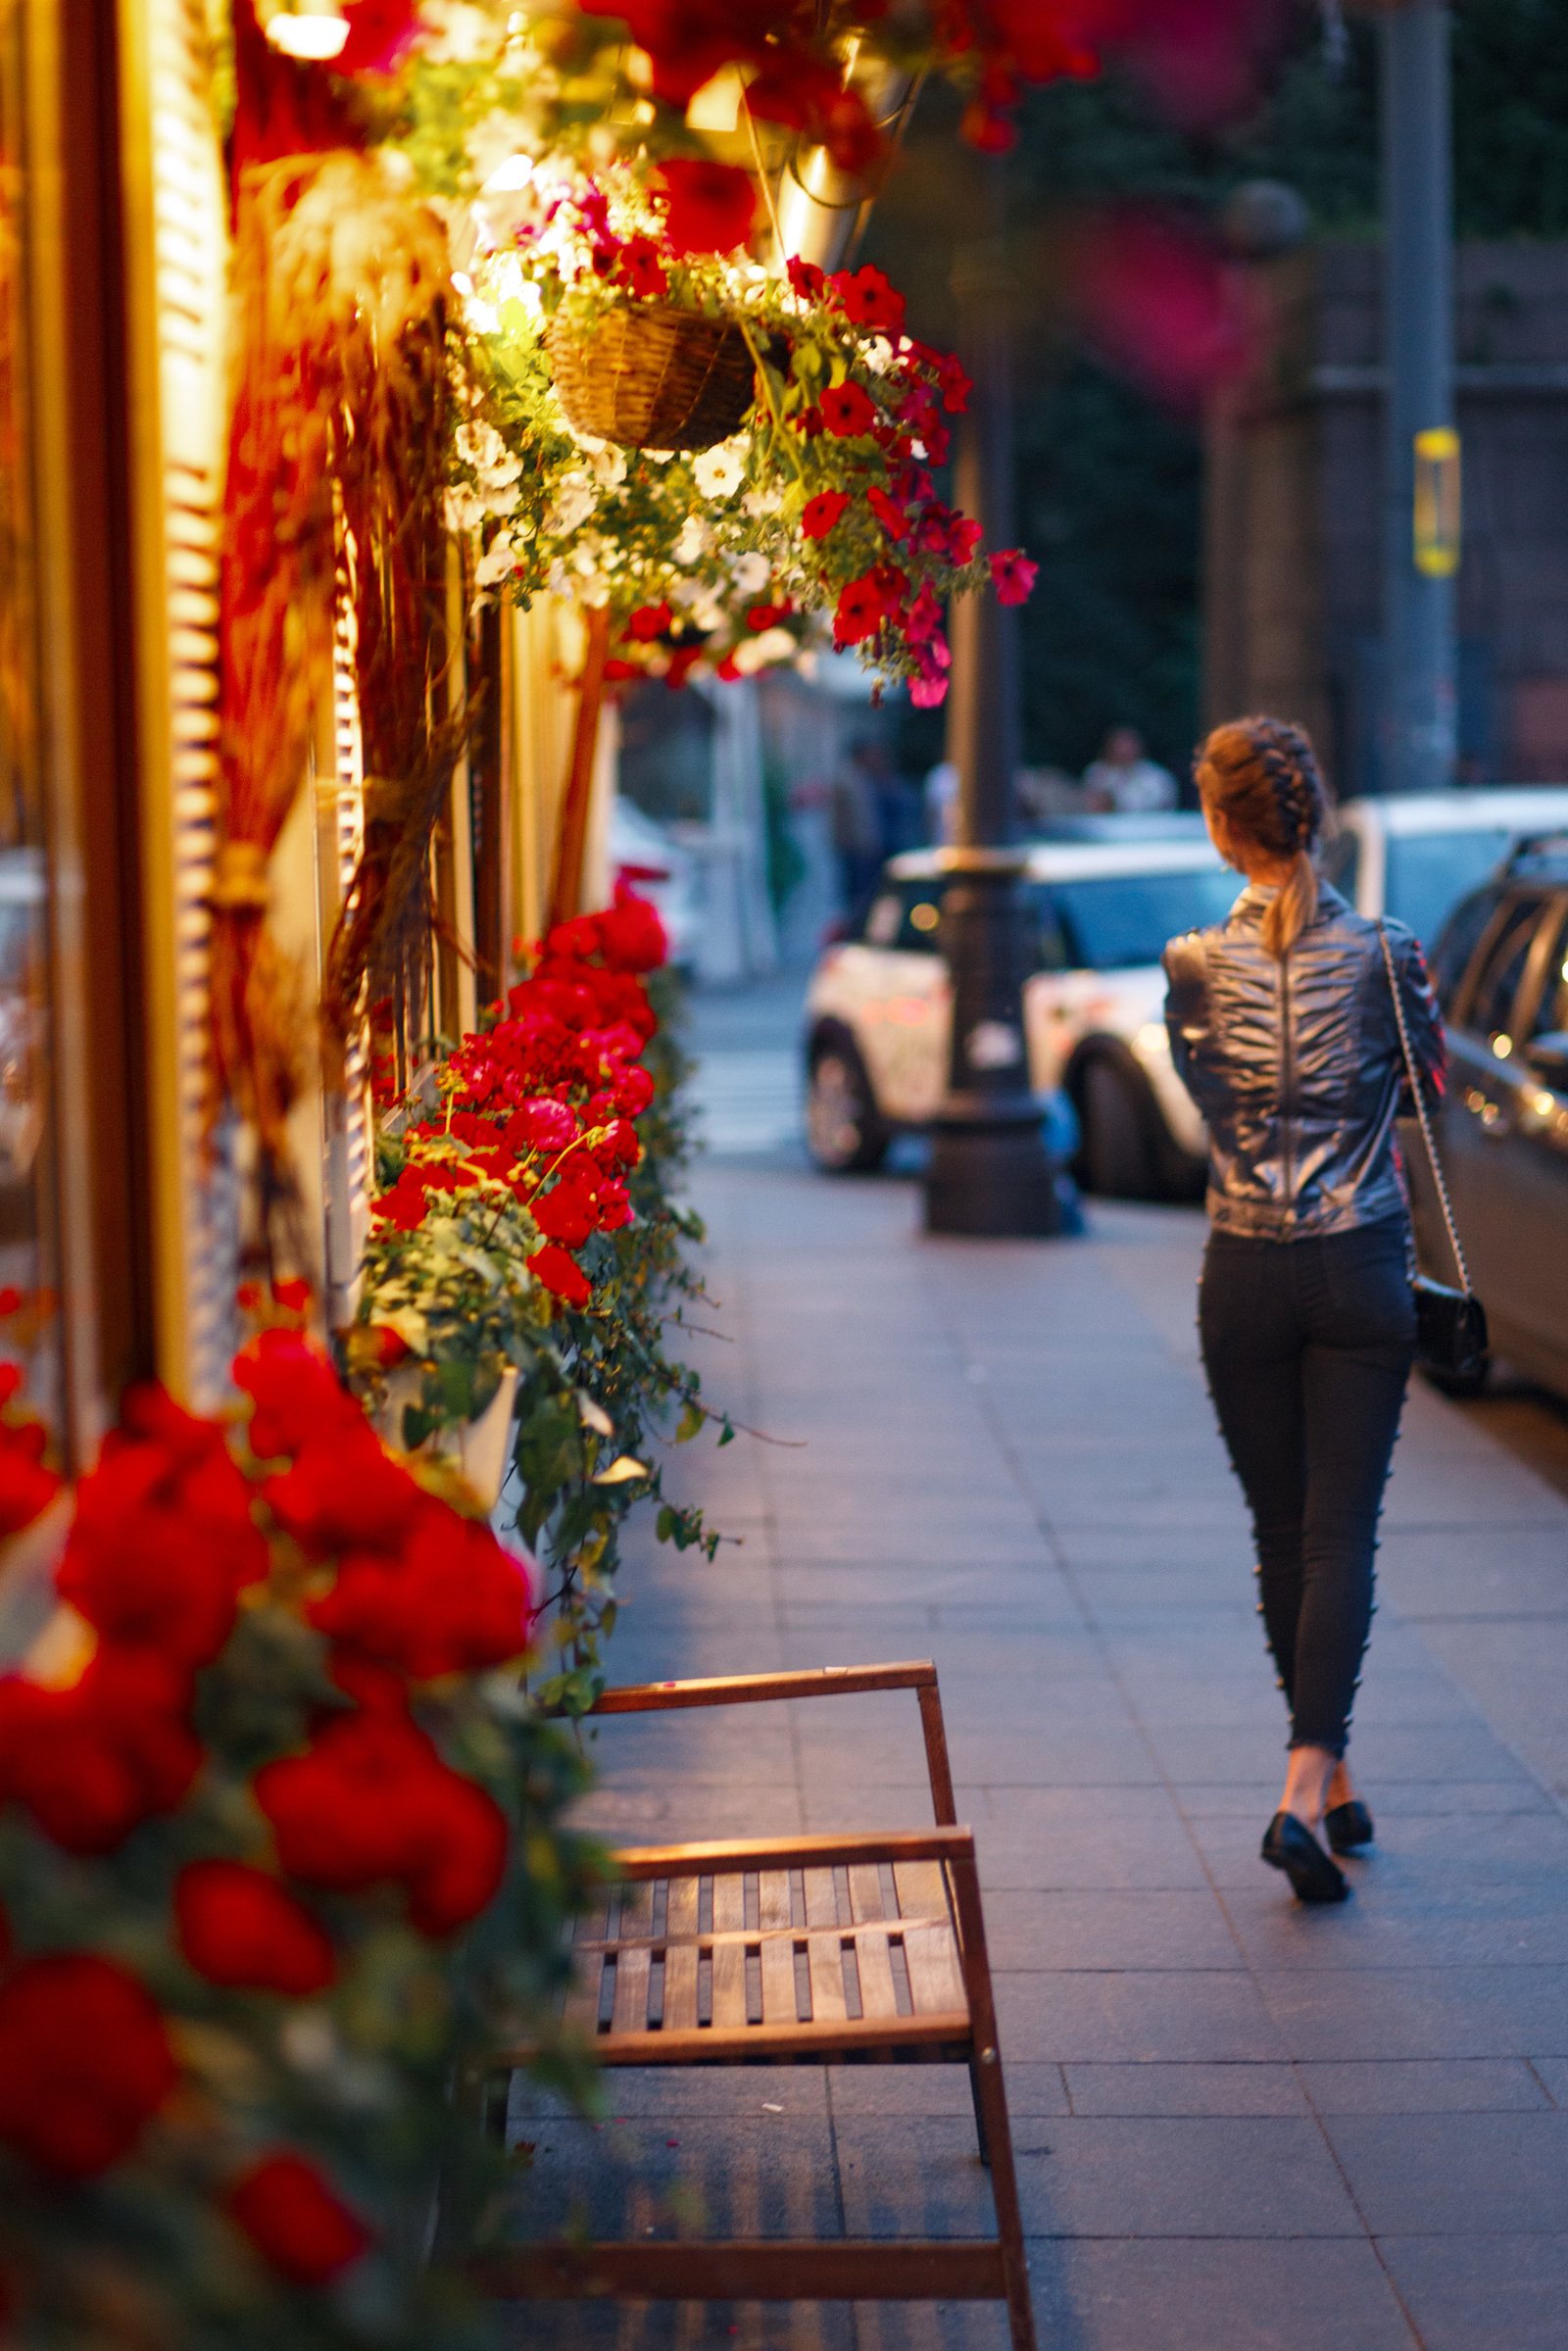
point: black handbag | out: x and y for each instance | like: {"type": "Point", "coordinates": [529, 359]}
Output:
{"type": "Point", "coordinates": [1451, 1324]}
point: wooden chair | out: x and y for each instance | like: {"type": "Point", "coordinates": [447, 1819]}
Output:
{"type": "Point", "coordinates": [781, 1951]}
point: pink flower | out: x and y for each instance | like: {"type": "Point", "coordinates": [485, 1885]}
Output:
{"type": "Point", "coordinates": [1012, 576]}
{"type": "Point", "coordinates": [927, 693]}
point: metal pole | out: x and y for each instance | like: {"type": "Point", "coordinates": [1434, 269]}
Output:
{"type": "Point", "coordinates": [1420, 701]}
{"type": "Point", "coordinates": [989, 1172]}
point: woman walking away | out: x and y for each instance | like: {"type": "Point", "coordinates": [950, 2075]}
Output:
{"type": "Point", "coordinates": [1282, 1023]}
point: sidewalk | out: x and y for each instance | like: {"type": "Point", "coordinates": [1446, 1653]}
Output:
{"type": "Point", "coordinates": [1238, 2123]}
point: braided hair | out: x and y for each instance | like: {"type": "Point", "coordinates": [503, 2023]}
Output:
{"type": "Point", "coordinates": [1263, 775]}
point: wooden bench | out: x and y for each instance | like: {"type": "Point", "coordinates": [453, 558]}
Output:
{"type": "Point", "coordinates": [787, 1950]}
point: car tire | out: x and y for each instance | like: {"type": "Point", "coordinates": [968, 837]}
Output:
{"type": "Point", "coordinates": [1461, 1386]}
{"type": "Point", "coordinates": [844, 1133]}
{"type": "Point", "coordinates": [1116, 1159]}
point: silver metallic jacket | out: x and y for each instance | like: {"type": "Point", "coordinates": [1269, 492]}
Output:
{"type": "Point", "coordinates": [1296, 1066]}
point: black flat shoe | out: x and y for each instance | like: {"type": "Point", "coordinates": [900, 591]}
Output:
{"type": "Point", "coordinates": [1290, 1847]}
{"type": "Point", "coordinates": [1347, 1826]}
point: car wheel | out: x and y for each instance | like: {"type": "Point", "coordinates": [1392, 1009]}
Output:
{"type": "Point", "coordinates": [843, 1132]}
{"type": "Point", "coordinates": [1115, 1158]}
{"type": "Point", "coordinates": [1460, 1384]}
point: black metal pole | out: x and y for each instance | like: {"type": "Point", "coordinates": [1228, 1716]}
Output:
{"type": "Point", "coordinates": [1420, 648]}
{"type": "Point", "coordinates": [990, 1172]}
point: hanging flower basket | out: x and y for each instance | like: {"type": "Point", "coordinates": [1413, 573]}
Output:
{"type": "Point", "coordinates": [653, 376]}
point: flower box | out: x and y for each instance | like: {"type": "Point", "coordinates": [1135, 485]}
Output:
{"type": "Point", "coordinates": [479, 1445]}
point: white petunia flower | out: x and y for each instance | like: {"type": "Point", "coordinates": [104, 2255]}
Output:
{"type": "Point", "coordinates": [757, 502]}
{"type": "Point", "coordinates": [498, 565]}
{"type": "Point", "coordinates": [719, 472]}
{"type": "Point", "coordinates": [694, 541]}
{"type": "Point", "coordinates": [458, 35]}
{"type": "Point", "coordinates": [609, 465]}
{"type": "Point", "coordinates": [751, 572]}
{"type": "Point", "coordinates": [577, 496]}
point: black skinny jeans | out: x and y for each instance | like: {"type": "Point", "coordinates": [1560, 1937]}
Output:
{"type": "Point", "coordinates": [1308, 1346]}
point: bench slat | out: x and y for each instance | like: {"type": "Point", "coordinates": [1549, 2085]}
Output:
{"type": "Point", "coordinates": [936, 1979]}
{"type": "Point", "coordinates": [729, 1980]}
{"type": "Point", "coordinates": [729, 1902]}
{"type": "Point", "coordinates": [877, 1996]}
{"type": "Point", "coordinates": [922, 1890]}
{"type": "Point", "coordinates": [773, 1894]}
{"type": "Point", "coordinates": [865, 1892]}
{"type": "Point", "coordinates": [631, 1992]}
{"type": "Point", "coordinates": [681, 1918]}
{"type": "Point", "coordinates": [680, 1987]}
{"type": "Point", "coordinates": [582, 1993]}
{"type": "Point", "coordinates": [778, 1977]}
{"type": "Point", "coordinates": [826, 1953]}
{"type": "Point", "coordinates": [821, 1899]}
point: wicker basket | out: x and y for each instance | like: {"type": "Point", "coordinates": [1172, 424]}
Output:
{"type": "Point", "coordinates": [652, 377]}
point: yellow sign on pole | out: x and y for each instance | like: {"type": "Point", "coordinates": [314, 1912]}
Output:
{"type": "Point", "coordinates": [1436, 514]}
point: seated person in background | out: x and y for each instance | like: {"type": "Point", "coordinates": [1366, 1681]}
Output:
{"type": "Point", "coordinates": [1123, 779]}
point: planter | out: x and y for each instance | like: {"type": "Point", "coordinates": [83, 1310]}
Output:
{"type": "Point", "coordinates": [479, 1446]}
{"type": "Point", "coordinates": [652, 377]}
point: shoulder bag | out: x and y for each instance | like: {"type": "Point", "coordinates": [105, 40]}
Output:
{"type": "Point", "coordinates": [1451, 1324]}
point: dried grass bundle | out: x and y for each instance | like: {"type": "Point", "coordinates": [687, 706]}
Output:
{"type": "Point", "coordinates": [339, 279]}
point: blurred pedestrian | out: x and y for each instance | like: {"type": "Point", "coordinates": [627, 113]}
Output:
{"type": "Point", "coordinates": [857, 825]}
{"type": "Point", "coordinates": [941, 804]}
{"type": "Point", "coordinates": [1122, 779]}
{"type": "Point", "coordinates": [1282, 1024]}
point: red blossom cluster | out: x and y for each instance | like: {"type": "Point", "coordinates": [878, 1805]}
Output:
{"type": "Point", "coordinates": [544, 1102]}
{"type": "Point", "coordinates": [167, 1536]}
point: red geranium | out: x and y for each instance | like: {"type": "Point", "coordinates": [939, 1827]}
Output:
{"type": "Point", "coordinates": [406, 1206]}
{"type": "Point", "coordinates": [448, 1601]}
{"type": "Point", "coordinates": [540, 1125]}
{"type": "Point", "coordinates": [25, 1486]}
{"type": "Point", "coordinates": [93, 1762]}
{"type": "Point", "coordinates": [710, 207]}
{"type": "Point", "coordinates": [561, 1274]}
{"type": "Point", "coordinates": [237, 1925]}
{"type": "Point", "coordinates": [1012, 574]}
{"type": "Point", "coordinates": [295, 1392]}
{"type": "Point", "coordinates": [295, 2221]}
{"type": "Point", "coordinates": [631, 935]}
{"type": "Point", "coordinates": [820, 513]}
{"type": "Point", "coordinates": [848, 412]}
{"type": "Point", "coordinates": [373, 1802]}
{"type": "Point", "coordinates": [84, 2063]}
{"type": "Point", "coordinates": [868, 300]}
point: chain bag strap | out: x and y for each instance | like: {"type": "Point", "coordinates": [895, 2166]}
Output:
{"type": "Point", "coordinates": [1451, 1323]}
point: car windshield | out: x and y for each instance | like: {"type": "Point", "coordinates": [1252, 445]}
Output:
{"type": "Point", "coordinates": [1125, 919]}
{"type": "Point", "coordinates": [1428, 873]}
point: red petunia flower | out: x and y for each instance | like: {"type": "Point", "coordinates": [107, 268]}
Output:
{"type": "Point", "coordinates": [821, 513]}
{"type": "Point", "coordinates": [239, 1925]}
{"type": "Point", "coordinates": [848, 412]}
{"type": "Point", "coordinates": [650, 620]}
{"type": "Point", "coordinates": [710, 206]}
{"type": "Point", "coordinates": [641, 270]}
{"type": "Point", "coordinates": [894, 520]}
{"type": "Point", "coordinates": [760, 617]}
{"type": "Point", "coordinates": [381, 33]}
{"type": "Point", "coordinates": [295, 2221]}
{"type": "Point", "coordinates": [806, 280]}
{"type": "Point", "coordinates": [1012, 576]}
{"type": "Point", "coordinates": [868, 300]}
{"type": "Point", "coordinates": [859, 611]}
{"type": "Point", "coordinates": [84, 2063]}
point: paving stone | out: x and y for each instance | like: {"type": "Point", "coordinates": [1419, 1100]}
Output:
{"type": "Point", "coordinates": [1198, 2176]}
{"type": "Point", "coordinates": [1175, 2294]}
{"type": "Point", "coordinates": [1491, 2293]}
{"type": "Point", "coordinates": [1459, 2175]}
{"type": "Point", "coordinates": [1258, 2089]}
{"type": "Point", "coordinates": [1424, 2086]}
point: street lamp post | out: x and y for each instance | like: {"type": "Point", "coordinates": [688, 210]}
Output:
{"type": "Point", "coordinates": [1421, 448]}
{"type": "Point", "coordinates": [989, 1171]}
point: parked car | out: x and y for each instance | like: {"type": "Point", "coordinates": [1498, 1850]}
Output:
{"type": "Point", "coordinates": [1416, 855]}
{"type": "Point", "coordinates": [657, 868]}
{"type": "Point", "coordinates": [1500, 971]}
{"type": "Point", "coordinates": [878, 1012]}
